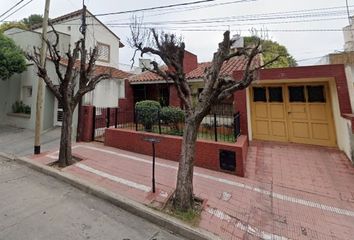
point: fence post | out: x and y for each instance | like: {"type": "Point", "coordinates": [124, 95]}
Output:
{"type": "Point", "coordinates": [158, 118]}
{"type": "Point", "coordinates": [215, 128]}
{"type": "Point", "coordinates": [116, 118]}
{"type": "Point", "coordinates": [135, 120]}
{"type": "Point", "coordinates": [93, 123]}
{"type": "Point", "coordinates": [237, 130]}
{"type": "Point", "coordinates": [108, 116]}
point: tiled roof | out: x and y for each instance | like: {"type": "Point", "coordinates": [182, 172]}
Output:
{"type": "Point", "coordinates": [99, 69]}
{"type": "Point", "coordinates": [234, 64]}
{"type": "Point", "coordinates": [115, 73]}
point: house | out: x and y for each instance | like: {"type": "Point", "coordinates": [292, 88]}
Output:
{"type": "Point", "coordinates": [307, 105]}
{"type": "Point", "coordinates": [149, 86]}
{"type": "Point", "coordinates": [23, 87]}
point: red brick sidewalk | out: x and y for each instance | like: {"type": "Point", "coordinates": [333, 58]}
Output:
{"type": "Point", "coordinates": [290, 191]}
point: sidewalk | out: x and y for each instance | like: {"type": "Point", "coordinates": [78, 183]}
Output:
{"type": "Point", "coordinates": [290, 191]}
{"type": "Point", "coordinates": [20, 141]}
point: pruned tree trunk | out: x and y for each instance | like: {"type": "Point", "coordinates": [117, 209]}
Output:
{"type": "Point", "coordinates": [216, 88]}
{"type": "Point", "coordinates": [65, 156]}
{"type": "Point", "coordinates": [183, 199]}
{"type": "Point", "coordinates": [65, 92]}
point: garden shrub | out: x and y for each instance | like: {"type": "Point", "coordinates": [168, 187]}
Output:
{"type": "Point", "coordinates": [172, 116]}
{"type": "Point", "coordinates": [147, 113]}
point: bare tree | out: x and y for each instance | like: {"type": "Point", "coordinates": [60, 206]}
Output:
{"type": "Point", "coordinates": [171, 50]}
{"type": "Point", "coordinates": [66, 91]}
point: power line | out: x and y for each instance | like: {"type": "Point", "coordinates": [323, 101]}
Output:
{"type": "Point", "coordinates": [185, 9]}
{"type": "Point", "coordinates": [11, 8]}
{"type": "Point", "coordinates": [2, 20]}
{"type": "Point", "coordinates": [154, 8]}
{"type": "Point", "coordinates": [243, 18]}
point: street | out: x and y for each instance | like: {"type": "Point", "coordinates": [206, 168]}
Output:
{"type": "Point", "coordinates": [36, 206]}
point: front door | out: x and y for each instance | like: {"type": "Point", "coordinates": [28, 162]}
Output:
{"type": "Point", "coordinates": [298, 113]}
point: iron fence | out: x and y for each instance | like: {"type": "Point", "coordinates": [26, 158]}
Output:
{"type": "Point", "coordinates": [216, 127]}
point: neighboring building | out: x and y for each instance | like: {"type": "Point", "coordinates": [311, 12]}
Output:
{"type": "Point", "coordinates": [346, 59]}
{"type": "Point", "coordinates": [23, 87]}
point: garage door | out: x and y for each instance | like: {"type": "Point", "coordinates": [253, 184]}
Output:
{"type": "Point", "coordinates": [298, 113]}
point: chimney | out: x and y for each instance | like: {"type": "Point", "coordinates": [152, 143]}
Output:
{"type": "Point", "coordinates": [190, 62]}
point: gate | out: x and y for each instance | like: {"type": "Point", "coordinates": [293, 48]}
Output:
{"type": "Point", "coordinates": [103, 118]}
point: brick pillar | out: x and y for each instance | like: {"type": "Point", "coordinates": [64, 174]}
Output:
{"type": "Point", "coordinates": [126, 105]}
{"type": "Point", "coordinates": [174, 100]}
{"type": "Point", "coordinates": [87, 123]}
{"type": "Point", "coordinates": [240, 105]}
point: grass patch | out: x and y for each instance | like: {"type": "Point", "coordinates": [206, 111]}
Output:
{"type": "Point", "coordinates": [191, 217]}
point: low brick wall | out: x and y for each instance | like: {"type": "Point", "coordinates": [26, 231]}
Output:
{"type": "Point", "coordinates": [207, 152]}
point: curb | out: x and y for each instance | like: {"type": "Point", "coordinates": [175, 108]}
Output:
{"type": "Point", "coordinates": [163, 220]}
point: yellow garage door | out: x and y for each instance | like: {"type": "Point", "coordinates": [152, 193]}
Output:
{"type": "Point", "coordinates": [298, 113]}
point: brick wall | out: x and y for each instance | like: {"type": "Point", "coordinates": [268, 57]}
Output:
{"type": "Point", "coordinates": [207, 152]}
{"type": "Point", "coordinates": [190, 62]}
{"type": "Point", "coordinates": [240, 105]}
{"type": "Point", "coordinates": [126, 105]}
{"type": "Point", "coordinates": [174, 99]}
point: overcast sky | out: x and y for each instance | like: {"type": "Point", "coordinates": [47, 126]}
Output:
{"type": "Point", "coordinates": [302, 45]}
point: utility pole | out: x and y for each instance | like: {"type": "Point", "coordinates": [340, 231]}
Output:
{"type": "Point", "coordinates": [40, 87]}
{"type": "Point", "coordinates": [82, 66]}
{"type": "Point", "coordinates": [348, 13]}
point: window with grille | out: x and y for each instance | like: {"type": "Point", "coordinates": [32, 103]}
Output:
{"type": "Point", "coordinates": [259, 94]}
{"type": "Point", "coordinates": [316, 93]}
{"type": "Point", "coordinates": [297, 94]}
{"type": "Point", "coordinates": [275, 94]}
{"type": "Point", "coordinates": [103, 51]}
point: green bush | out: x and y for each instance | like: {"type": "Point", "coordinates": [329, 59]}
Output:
{"type": "Point", "coordinates": [172, 116]}
{"type": "Point", "coordinates": [147, 113]}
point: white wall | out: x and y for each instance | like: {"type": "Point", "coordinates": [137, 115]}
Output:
{"type": "Point", "coordinates": [342, 125]}
{"type": "Point", "coordinates": [96, 32]}
{"type": "Point", "coordinates": [106, 93]}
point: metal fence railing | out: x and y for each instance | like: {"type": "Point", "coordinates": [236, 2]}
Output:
{"type": "Point", "coordinates": [216, 127]}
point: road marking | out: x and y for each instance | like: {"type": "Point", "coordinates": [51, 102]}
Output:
{"type": "Point", "coordinates": [244, 227]}
{"type": "Point", "coordinates": [279, 196]}
{"type": "Point", "coordinates": [114, 178]}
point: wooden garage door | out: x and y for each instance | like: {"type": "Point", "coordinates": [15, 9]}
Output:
{"type": "Point", "coordinates": [298, 113]}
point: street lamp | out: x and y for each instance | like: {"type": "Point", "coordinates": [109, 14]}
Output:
{"type": "Point", "coordinates": [153, 141]}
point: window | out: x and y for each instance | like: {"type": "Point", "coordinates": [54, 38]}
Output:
{"type": "Point", "coordinates": [27, 92]}
{"type": "Point", "coordinates": [275, 94]}
{"type": "Point", "coordinates": [103, 51]}
{"type": "Point", "coordinates": [296, 94]}
{"type": "Point", "coordinates": [259, 94]}
{"type": "Point", "coordinates": [316, 94]}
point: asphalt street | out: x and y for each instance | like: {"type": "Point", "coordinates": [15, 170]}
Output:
{"type": "Point", "coordinates": [34, 206]}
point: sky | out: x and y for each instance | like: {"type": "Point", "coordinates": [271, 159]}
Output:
{"type": "Point", "coordinates": [217, 16]}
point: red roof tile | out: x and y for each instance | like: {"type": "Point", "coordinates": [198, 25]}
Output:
{"type": "Point", "coordinates": [99, 69]}
{"type": "Point", "coordinates": [234, 64]}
